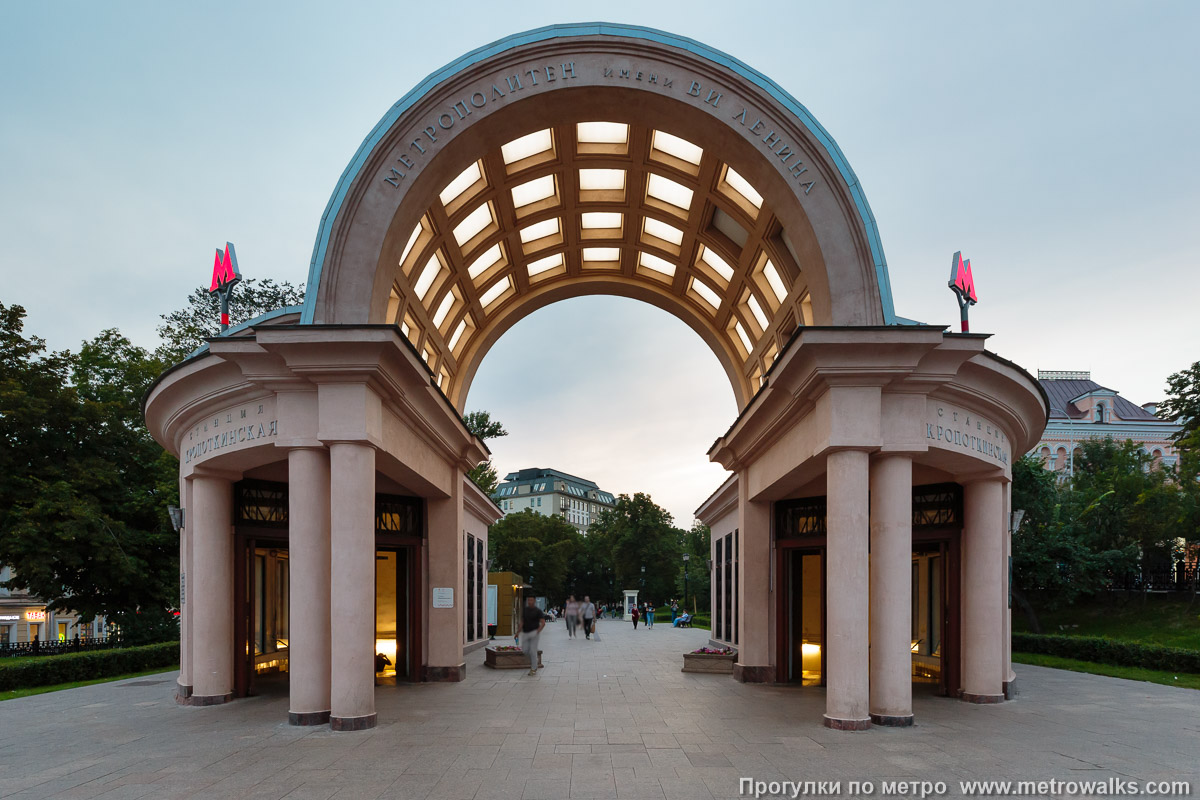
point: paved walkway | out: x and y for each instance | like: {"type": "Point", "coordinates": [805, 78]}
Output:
{"type": "Point", "coordinates": [608, 719]}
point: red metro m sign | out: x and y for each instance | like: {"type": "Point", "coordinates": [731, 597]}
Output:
{"type": "Point", "coordinates": [225, 274]}
{"type": "Point", "coordinates": [962, 283]}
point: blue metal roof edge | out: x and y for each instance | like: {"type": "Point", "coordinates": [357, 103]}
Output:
{"type": "Point", "coordinates": [590, 29]}
{"type": "Point", "coordinates": [241, 326]}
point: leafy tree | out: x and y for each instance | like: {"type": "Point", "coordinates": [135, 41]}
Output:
{"type": "Point", "coordinates": [184, 330]}
{"type": "Point", "coordinates": [549, 542]}
{"type": "Point", "coordinates": [481, 424]}
{"type": "Point", "coordinates": [1183, 403]}
{"type": "Point", "coordinates": [83, 487]}
{"type": "Point", "coordinates": [696, 543]}
{"type": "Point", "coordinates": [639, 534]}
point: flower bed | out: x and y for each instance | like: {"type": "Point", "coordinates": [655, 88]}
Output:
{"type": "Point", "coordinates": [710, 660]}
{"type": "Point", "coordinates": [508, 657]}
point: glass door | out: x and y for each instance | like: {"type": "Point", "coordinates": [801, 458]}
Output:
{"type": "Point", "coordinates": [393, 653]}
{"type": "Point", "coordinates": [806, 618]}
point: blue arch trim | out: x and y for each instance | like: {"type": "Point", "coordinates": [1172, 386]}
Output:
{"type": "Point", "coordinates": [597, 29]}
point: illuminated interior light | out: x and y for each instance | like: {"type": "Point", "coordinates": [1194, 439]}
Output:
{"type": "Point", "coordinates": [544, 264]}
{"type": "Point", "coordinates": [443, 309]}
{"type": "Point", "coordinates": [490, 258]}
{"type": "Point", "coordinates": [601, 179]}
{"type": "Point", "coordinates": [742, 187]}
{"type": "Point", "coordinates": [669, 191]}
{"type": "Point", "coordinates": [741, 332]}
{"type": "Point", "coordinates": [465, 180]}
{"type": "Point", "coordinates": [599, 219]}
{"type": "Point", "coordinates": [412, 240]}
{"type": "Point", "coordinates": [705, 291]}
{"type": "Point", "coordinates": [759, 316]}
{"type": "Point", "coordinates": [533, 191]}
{"type": "Point", "coordinates": [498, 288]}
{"type": "Point", "coordinates": [775, 281]}
{"type": "Point", "coordinates": [539, 230]}
{"type": "Point", "coordinates": [601, 254]}
{"type": "Point", "coordinates": [668, 233]}
{"type": "Point", "coordinates": [602, 132]}
{"type": "Point", "coordinates": [651, 261]}
{"type": "Point", "coordinates": [427, 277]}
{"type": "Point", "coordinates": [680, 148]}
{"type": "Point", "coordinates": [710, 257]}
{"type": "Point", "coordinates": [475, 222]}
{"type": "Point", "coordinates": [458, 332]}
{"type": "Point", "coordinates": [528, 145]}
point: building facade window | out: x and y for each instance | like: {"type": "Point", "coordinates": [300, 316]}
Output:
{"type": "Point", "coordinates": [470, 588]}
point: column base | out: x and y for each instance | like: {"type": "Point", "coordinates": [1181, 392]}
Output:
{"type": "Point", "coordinates": [747, 674]}
{"type": "Point", "coordinates": [455, 674]}
{"type": "Point", "coordinates": [892, 720]}
{"type": "Point", "coordinates": [308, 717]}
{"type": "Point", "coordinates": [1010, 689]}
{"type": "Point", "coordinates": [205, 699]}
{"type": "Point", "coordinates": [847, 724]}
{"type": "Point", "coordinates": [982, 699]}
{"type": "Point", "coordinates": [353, 723]}
{"type": "Point", "coordinates": [182, 693]}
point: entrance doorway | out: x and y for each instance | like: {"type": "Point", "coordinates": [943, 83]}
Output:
{"type": "Point", "coordinates": [394, 602]}
{"type": "Point", "coordinates": [806, 613]}
{"type": "Point", "coordinates": [800, 539]}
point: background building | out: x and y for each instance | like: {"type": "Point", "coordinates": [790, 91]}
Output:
{"type": "Point", "coordinates": [24, 618]}
{"type": "Point", "coordinates": [1082, 409]}
{"type": "Point", "coordinates": [548, 491]}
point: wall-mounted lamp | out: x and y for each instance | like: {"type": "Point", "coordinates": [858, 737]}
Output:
{"type": "Point", "coordinates": [176, 514]}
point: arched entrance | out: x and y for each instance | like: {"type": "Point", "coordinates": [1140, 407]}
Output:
{"type": "Point", "coordinates": [575, 160]}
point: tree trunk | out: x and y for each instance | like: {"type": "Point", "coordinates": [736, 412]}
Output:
{"type": "Point", "coordinates": [1030, 614]}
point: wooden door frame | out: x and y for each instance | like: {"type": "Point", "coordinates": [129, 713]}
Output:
{"type": "Point", "coordinates": [784, 549]}
{"type": "Point", "coordinates": [415, 555]}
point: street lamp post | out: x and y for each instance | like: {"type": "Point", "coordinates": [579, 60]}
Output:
{"type": "Point", "coordinates": [531, 574]}
{"type": "Point", "coordinates": [686, 558]}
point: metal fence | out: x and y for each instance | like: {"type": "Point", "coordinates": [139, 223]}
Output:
{"type": "Point", "coordinates": [54, 648]}
{"type": "Point", "coordinates": [1180, 578]}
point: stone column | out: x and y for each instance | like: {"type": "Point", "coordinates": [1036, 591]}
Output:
{"type": "Point", "coordinates": [753, 615]}
{"type": "Point", "coordinates": [445, 632]}
{"type": "Point", "coordinates": [352, 586]}
{"type": "Point", "coordinates": [1010, 677]}
{"type": "Point", "coordinates": [183, 689]}
{"type": "Point", "coordinates": [846, 594]}
{"type": "Point", "coordinates": [211, 590]}
{"type": "Point", "coordinates": [983, 577]}
{"type": "Point", "coordinates": [891, 590]}
{"type": "Point", "coordinates": [309, 561]}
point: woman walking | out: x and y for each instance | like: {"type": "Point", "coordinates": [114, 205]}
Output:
{"type": "Point", "coordinates": [634, 615]}
{"type": "Point", "coordinates": [649, 615]}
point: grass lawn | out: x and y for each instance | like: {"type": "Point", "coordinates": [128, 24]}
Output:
{"type": "Point", "coordinates": [1166, 619]}
{"type": "Point", "coordinates": [32, 690]}
{"type": "Point", "coordinates": [1131, 673]}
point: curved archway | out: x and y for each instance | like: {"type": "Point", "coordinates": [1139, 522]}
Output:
{"type": "Point", "coordinates": [632, 163]}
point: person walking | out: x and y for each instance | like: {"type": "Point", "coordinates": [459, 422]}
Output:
{"type": "Point", "coordinates": [571, 614]}
{"type": "Point", "coordinates": [532, 623]}
{"type": "Point", "coordinates": [588, 612]}
{"type": "Point", "coordinates": [649, 615]}
{"type": "Point", "coordinates": [634, 615]}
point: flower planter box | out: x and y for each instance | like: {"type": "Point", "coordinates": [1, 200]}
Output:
{"type": "Point", "coordinates": [709, 662]}
{"type": "Point", "coordinates": [508, 659]}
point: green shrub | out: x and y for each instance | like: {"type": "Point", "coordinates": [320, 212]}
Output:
{"type": "Point", "coordinates": [22, 672]}
{"type": "Point", "coordinates": [1110, 651]}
